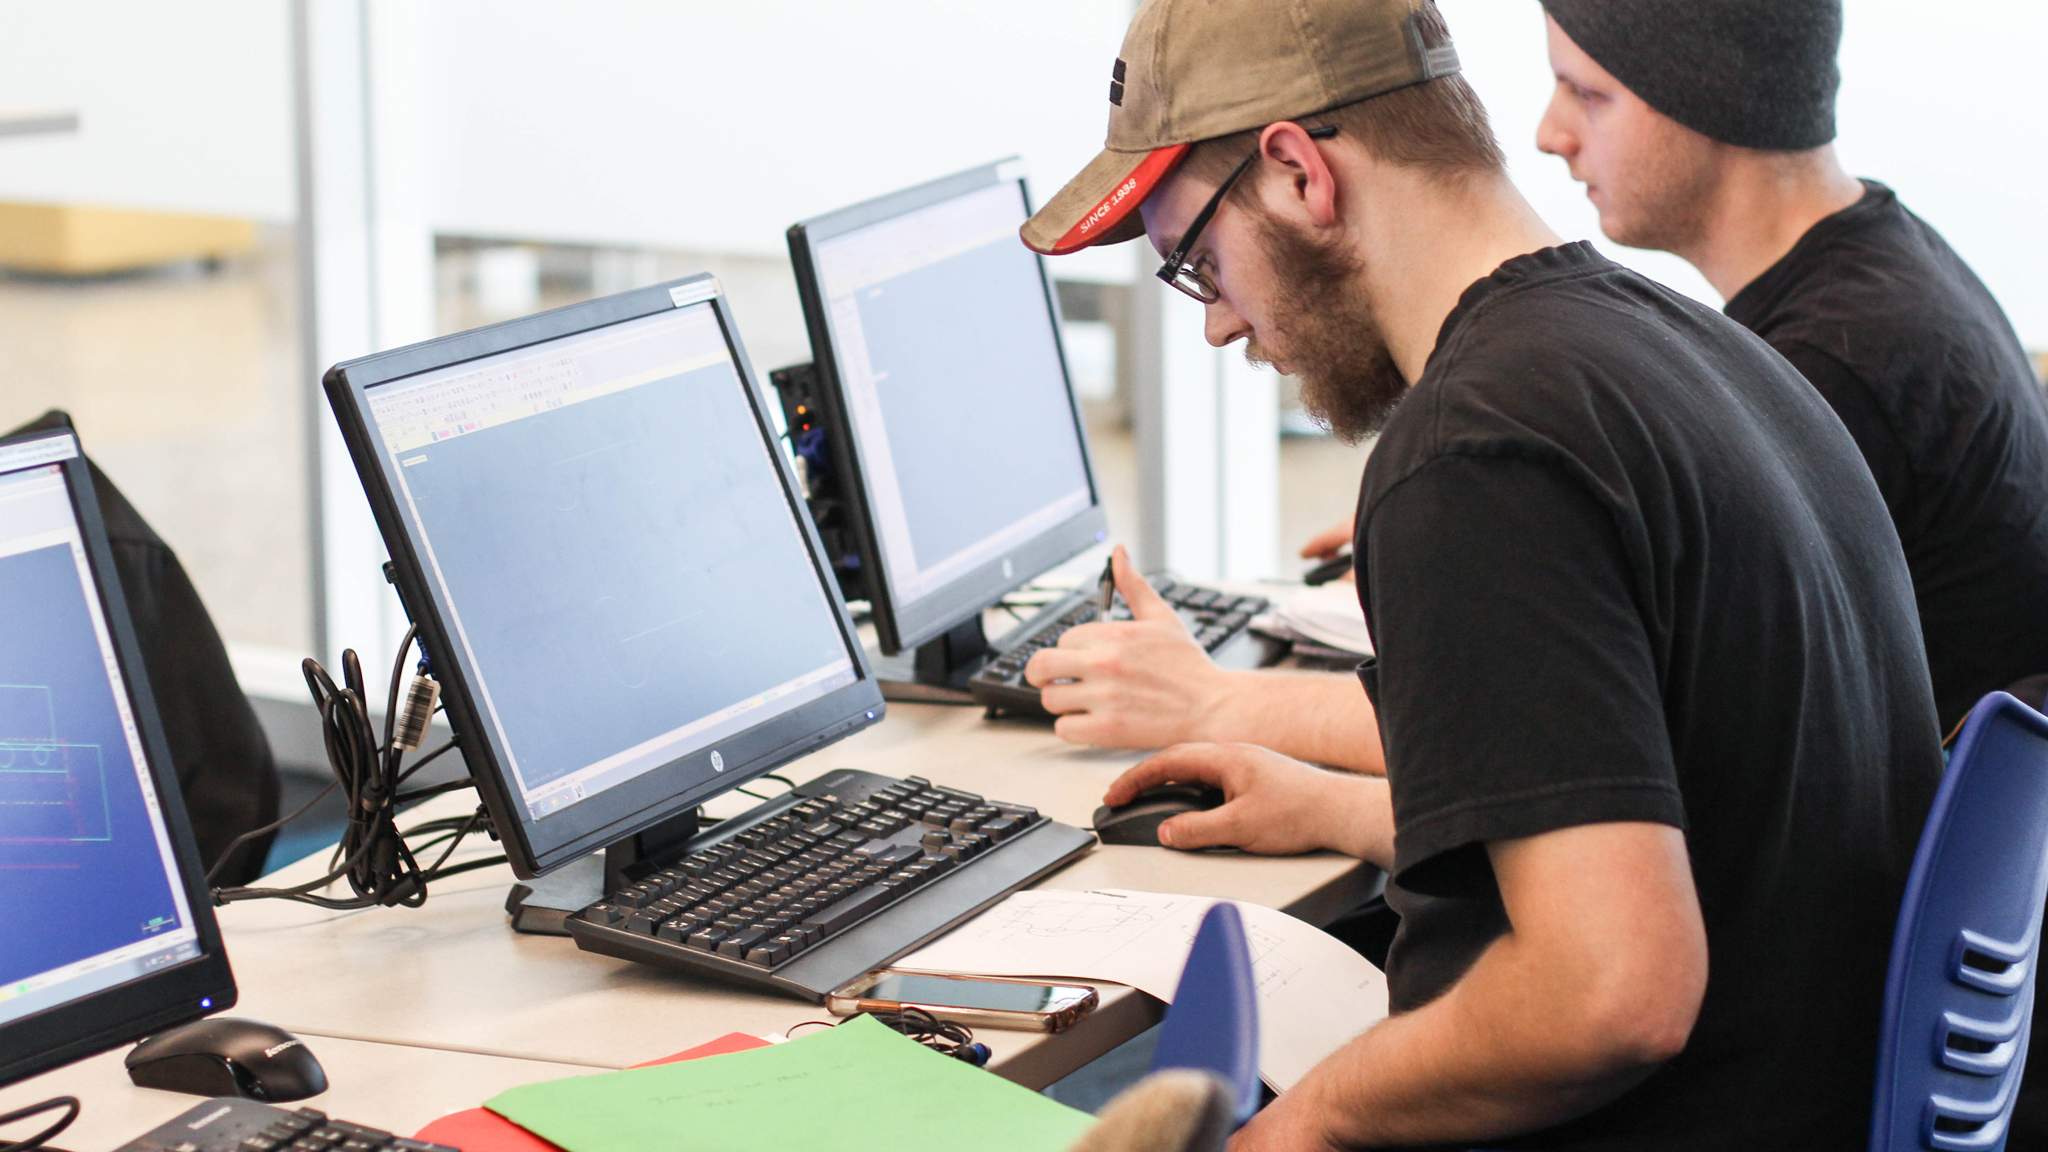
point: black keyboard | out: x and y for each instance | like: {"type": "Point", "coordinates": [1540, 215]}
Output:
{"type": "Point", "coordinates": [1219, 621]}
{"type": "Point", "coordinates": [229, 1124]}
{"type": "Point", "coordinates": [828, 882]}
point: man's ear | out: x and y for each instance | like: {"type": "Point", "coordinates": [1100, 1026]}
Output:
{"type": "Point", "coordinates": [1310, 186]}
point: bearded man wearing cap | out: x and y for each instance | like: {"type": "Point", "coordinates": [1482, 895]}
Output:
{"type": "Point", "coordinates": [1707, 130]}
{"type": "Point", "coordinates": [1658, 731]}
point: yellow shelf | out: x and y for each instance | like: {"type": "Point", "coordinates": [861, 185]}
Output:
{"type": "Point", "coordinates": [78, 240]}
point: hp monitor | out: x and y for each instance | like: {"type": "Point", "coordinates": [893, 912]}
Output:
{"type": "Point", "coordinates": [610, 566]}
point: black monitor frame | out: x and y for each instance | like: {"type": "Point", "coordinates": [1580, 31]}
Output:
{"type": "Point", "coordinates": [180, 992]}
{"type": "Point", "coordinates": [948, 622]}
{"type": "Point", "coordinates": [620, 814]}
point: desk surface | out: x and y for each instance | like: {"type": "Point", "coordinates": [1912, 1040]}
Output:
{"type": "Point", "coordinates": [380, 1085]}
{"type": "Point", "coordinates": [452, 974]}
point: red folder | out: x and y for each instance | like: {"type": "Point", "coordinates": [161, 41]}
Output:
{"type": "Point", "coordinates": [481, 1130]}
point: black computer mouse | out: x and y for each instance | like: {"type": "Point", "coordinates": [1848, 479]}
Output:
{"type": "Point", "coordinates": [1138, 821]}
{"type": "Point", "coordinates": [228, 1057]}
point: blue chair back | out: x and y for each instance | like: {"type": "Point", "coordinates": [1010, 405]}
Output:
{"type": "Point", "coordinates": [1960, 994]}
{"type": "Point", "coordinates": [1213, 1022]}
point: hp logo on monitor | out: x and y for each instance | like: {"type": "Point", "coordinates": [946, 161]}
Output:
{"type": "Point", "coordinates": [717, 760]}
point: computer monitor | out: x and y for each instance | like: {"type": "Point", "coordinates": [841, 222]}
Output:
{"type": "Point", "coordinates": [609, 564]}
{"type": "Point", "coordinates": [955, 435]}
{"type": "Point", "coordinates": [109, 935]}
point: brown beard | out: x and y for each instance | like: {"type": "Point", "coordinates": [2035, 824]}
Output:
{"type": "Point", "coordinates": [1329, 336]}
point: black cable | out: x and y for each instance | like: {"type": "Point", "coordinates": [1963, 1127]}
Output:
{"type": "Point", "coordinates": [435, 790]}
{"type": "Point", "coordinates": [41, 1140]}
{"type": "Point", "coordinates": [380, 862]}
{"type": "Point", "coordinates": [429, 758]}
{"type": "Point", "coordinates": [942, 1036]}
{"type": "Point", "coordinates": [788, 786]}
{"type": "Point", "coordinates": [222, 860]}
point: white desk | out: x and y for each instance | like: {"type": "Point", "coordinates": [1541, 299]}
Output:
{"type": "Point", "coordinates": [381, 1085]}
{"type": "Point", "coordinates": [452, 975]}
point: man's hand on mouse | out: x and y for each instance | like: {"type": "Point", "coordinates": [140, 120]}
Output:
{"type": "Point", "coordinates": [1137, 683]}
{"type": "Point", "coordinates": [1326, 544]}
{"type": "Point", "coordinates": [1273, 805]}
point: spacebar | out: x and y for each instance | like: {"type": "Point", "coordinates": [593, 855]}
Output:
{"type": "Point", "coordinates": [856, 905]}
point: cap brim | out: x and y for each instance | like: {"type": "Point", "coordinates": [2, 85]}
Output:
{"type": "Point", "coordinates": [1100, 206]}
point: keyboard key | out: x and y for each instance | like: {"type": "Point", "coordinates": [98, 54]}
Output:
{"type": "Point", "coordinates": [739, 944]}
{"type": "Point", "coordinates": [845, 911]}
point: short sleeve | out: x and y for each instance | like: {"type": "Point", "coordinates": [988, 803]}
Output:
{"type": "Point", "coordinates": [1518, 684]}
{"type": "Point", "coordinates": [1876, 437]}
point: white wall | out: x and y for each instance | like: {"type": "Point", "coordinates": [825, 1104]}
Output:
{"type": "Point", "coordinates": [714, 125]}
{"type": "Point", "coordinates": [707, 124]}
{"type": "Point", "coordinates": [1947, 109]}
{"type": "Point", "coordinates": [185, 107]}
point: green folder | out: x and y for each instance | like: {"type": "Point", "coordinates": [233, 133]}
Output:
{"type": "Point", "coordinates": [855, 1087]}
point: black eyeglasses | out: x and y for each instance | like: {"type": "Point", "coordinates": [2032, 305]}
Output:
{"type": "Point", "coordinates": [1181, 274]}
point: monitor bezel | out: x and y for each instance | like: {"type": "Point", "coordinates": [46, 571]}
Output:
{"type": "Point", "coordinates": [901, 627]}
{"type": "Point", "coordinates": [181, 992]}
{"type": "Point", "coordinates": [535, 848]}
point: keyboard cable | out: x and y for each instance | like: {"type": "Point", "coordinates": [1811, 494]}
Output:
{"type": "Point", "coordinates": [40, 1142]}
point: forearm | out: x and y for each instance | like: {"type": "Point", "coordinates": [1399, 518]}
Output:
{"type": "Point", "coordinates": [1321, 717]}
{"type": "Point", "coordinates": [1491, 1058]}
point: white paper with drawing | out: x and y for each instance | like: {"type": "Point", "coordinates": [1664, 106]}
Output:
{"type": "Point", "coordinates": [1314, 993]}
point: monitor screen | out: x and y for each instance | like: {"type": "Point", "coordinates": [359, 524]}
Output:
{"type": "Point", "coordinates": [624, 585]}
{"type": "Point", "coordinates": [91, 886]}
{"type": "Point", "coordinates": [942, 352]}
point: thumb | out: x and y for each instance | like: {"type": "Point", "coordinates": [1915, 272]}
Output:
{"type": "Point", "coordinates": [1327, 544]}
{"type": "Point", "coordinates": [1145, 603]}
{"type": "Point", "coordinates": [1193, 830]}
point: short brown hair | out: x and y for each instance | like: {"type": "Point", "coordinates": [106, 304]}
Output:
{"type": "Point", "coordinates": [1438, 126]}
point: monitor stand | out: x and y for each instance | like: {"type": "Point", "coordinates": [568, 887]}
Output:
{"type": "Point", "coordinates": [938, 671]}
{"type": "Point", "coordinates": [542, 906]}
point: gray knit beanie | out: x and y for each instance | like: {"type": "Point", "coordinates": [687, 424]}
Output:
{"type": "Point", "coordinates": [1752, 73]}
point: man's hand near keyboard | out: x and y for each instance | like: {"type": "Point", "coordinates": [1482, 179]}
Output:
{"type": "Point", "coordinates": [1146, 683]}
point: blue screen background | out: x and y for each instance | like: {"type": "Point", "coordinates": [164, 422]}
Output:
{"type": "Point", "coordinates": [80, 872]}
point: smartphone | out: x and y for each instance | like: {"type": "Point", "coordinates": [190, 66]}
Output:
{"type": "Point", "coordinates": [976, 1001]}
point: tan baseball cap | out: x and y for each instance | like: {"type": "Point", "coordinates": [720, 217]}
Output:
{"type": "Point", "coordinates": [1193, 70]}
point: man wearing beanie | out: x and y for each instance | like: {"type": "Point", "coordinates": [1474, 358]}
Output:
{"type": "Point", "coordinates": [1705, 130]}
{"type": "Point", "coordinates": [1659, 737]}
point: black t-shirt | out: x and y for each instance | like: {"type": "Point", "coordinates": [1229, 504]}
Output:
{"type": "Point", "coordinates": [1622, 564]}
{"type": "Point", "coordinates": [1911, 351]}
